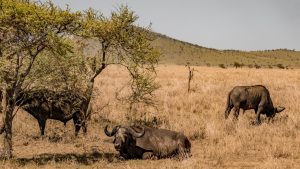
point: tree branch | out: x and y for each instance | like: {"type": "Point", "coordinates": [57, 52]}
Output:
{"type": "Point", "coordinates": [98, 72]}
{"type": "Point", "coordinates": [103, 64]}
{"type": "Point", "coordinates": [33, 57]}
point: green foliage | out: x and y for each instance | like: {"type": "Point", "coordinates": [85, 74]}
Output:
{"type": "Point", "coordinates": [43, 29]}
{"type": "Point", "coordinates": [237, 65]}
{"type": "Point", "coordinates": [59, 72]}
{"type": "Point", "coordinates": [222, 66]}
{"type": "Point", "coordinates": [27, 29]}
{"type": "Point", "coordinates": [257, 66]}
{"type": "Point", "coordinates": [38, 49]}
{"type": "Point", "coordinates": [125, 44]}
{"type": "Point", "coordinates": [280, 66]}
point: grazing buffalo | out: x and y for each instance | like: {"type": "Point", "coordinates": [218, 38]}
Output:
{"type": "Point", "coordinates": [251, 97]}
{"type": "Point", "coordinates": [62, 106]}
{"type": "Point", "coordinates": [142, 142]}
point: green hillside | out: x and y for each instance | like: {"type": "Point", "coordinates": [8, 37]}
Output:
{"type": "Point", "coordinates": [179, 52]}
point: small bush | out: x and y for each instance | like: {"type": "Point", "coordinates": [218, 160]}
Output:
{"type": "Point", "coordinates": [222, 66]}
{"type": "Point", "coordinates": [257, 66]}
{"type": "Point", "coordinates": [280, 66]}
{"type": "Point", "coordinates": [237, 64]}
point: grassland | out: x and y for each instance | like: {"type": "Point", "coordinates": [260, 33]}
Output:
{"type": "Point", "coordinates": [179, 53]}
{"type": "Point", "coordinates": [216, 142]}
{"type": "Point", "coordinates": [175, 52]}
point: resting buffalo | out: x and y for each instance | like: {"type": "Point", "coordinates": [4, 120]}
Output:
{"type": "Point", "coordinates": [142, 142]}
{"type": "Point", "coordinates": [251, 97]}
{"type": "Point", "coordinates": [62, 106]}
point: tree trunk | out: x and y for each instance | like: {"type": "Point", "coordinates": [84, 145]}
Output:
{"type": "Point", "coordinates": [8, 107]}
{"type": "Point", "coordinates": [89, 98]}
{"type": "Point", "coordinates": [189, 79]}
{"type": "Point", "coordinates": [92, 81]}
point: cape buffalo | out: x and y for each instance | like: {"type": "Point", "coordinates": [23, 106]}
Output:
{"type": "Point", "coordinates": [142, 142]}
{"type": "Point", "coordinates": [62, 106]}
{"type": "Point", "coordinates": [251, 97]}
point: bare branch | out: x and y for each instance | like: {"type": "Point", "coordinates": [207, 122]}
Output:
{"type": "Point", "coordinates": [103, 64]}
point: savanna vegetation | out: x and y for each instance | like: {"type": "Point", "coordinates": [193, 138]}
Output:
{"type": "Point", "coordinates": [216, 142]}
{"type": "Point", "coordinates": [113, 63]}
{"type": "Point", "coordinates": [39, 50]}
{"type": "Point", "coordinates": [179, 53]}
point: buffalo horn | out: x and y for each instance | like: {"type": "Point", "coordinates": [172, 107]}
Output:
{"type": "Point", "coordinates": [136, 134]}
{"type": "Point", "coordinates": [113, 132]}
{"type": "Point", "coordinates": [279, 109]}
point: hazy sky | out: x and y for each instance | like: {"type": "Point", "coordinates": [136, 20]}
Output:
{"type": "Point", "coordinates": [221, 24]}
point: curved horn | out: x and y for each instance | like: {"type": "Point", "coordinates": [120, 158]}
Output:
{"type": "Point", "coordinates": [136, 134]}
{"type": "Point", "coordinates": [279, 109]}
{"type": "Point", "coordinates": [113, 132]}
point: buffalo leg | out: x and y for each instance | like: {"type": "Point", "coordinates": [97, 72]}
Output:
{"type": "Point", "coordinates": [184, 149]}
{"type": "Point", "coordinates": [258, 115]}
{"type": "Point", "coordinates": [236, 112]}
{"type": "Point", "coordinates": [227, 111]}
{"type": "Point", "coordinates": [270, 119]}
{"type": "Point", "coordinates": [149, 155]}
{"type": "Point", "coordinates": [256, 109]}
{"type": "Point", "coordinates": [84, 128]}
{"type": "Point", "coordinates": [83, 122]}
{"type": "Point", "coordinates": [42, 125]}
{"type": "Point", "coordinates": [183, 153]}
{"type": "Point", "coordinates": [77, 122]}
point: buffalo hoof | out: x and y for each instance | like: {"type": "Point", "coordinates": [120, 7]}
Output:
{"type": "Point", "coordinates": [255, 123]}
{"type": "Point", "coordinates": [121, 158]}
{"type": "Point", "coordinates": [149, 156]}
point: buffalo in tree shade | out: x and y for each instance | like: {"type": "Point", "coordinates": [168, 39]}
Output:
{"type": "Point", "coordinates": [63, 106]}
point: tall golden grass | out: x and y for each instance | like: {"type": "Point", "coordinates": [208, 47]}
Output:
{"type": "Point", "coordinates": [216, 142]}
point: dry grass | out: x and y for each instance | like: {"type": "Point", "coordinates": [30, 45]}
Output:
{"type": "Point", "coordinates": [216, 143]}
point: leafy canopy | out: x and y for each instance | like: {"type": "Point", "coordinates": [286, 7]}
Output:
{"type": "Point", "coordinates": [125, 44]}
{"type": "Point", "coordinates": [27, 29]}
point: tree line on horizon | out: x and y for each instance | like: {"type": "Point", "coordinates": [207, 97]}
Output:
{"type": "Point", "coordinates": [179, 52]}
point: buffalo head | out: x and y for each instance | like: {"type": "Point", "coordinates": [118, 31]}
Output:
{"type": "Point", "coordinates": [124, 136]}
{"type": "Point", "coordinates": [275, 111]}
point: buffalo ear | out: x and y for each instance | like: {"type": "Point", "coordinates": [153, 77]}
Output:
{"type": "Point", "coordinates": [279, 109]}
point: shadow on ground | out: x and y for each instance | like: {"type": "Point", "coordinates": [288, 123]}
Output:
{"type": "Point", "coordinates": [85, 158]}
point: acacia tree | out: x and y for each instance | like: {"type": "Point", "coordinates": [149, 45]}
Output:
{"type": "Point", "coordinates": [27, 29]}
{"type": "Point", "coordinates": [119, 41]}
{"type": "Point", "coordinates": [35, 35]}
{"type": "Point", "coordinates": [122, 43]}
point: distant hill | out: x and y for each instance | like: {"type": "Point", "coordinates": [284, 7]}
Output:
{"type": "Point", "coordinates": [179, 52]}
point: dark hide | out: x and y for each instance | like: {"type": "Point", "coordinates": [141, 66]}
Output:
{"type": "Point", "coordinates": [145, 142]}
{"type": "Point", "coordinates": [62, 106]}
{"type": "Point", "coordinates": [251, 97]}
